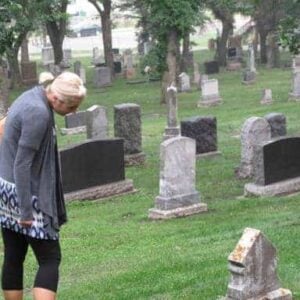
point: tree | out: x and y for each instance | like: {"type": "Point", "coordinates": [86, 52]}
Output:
{"type": "Point", "coordinates": [104, 8]}
{"type": "Point", "coordinates": [55, 19]}
{"type": "Point", "coordinates": [169, 22]}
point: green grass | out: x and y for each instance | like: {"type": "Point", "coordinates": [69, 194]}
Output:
{"type": "Point", "coordinates": [111, 250]}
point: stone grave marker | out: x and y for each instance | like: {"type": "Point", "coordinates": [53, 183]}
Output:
{"type": "Point", "coordinates": [102, 77]}
{"type": "Point", "coordinates": [295, 93]}
{"type": "Point", "coordinates": [254, 131]}
{"type": "Point", "coordinates": [197, 75]}
{"type": "Point", "coordinates": [29, 73]}
{"type": "Point", "coordinates": [277, 121]}
{"type": "Point", "coordinates": [248, 77]}
{"type": "Point", "coordinates": [94, 169]}
{"type": "Point", "coordinates": [210, 93]}
{"type": "Point", "coordinates": [204, 131]}
{"type": "Point", "coordinates": [77, 65]}
{"type": "Point", "coordinates": [177, 194]}
{"type": "Point", "coordinates": [184, 82]}
{"type": "Point", "coordinates": [127, 125]}
{"type": "Point", "coordinates": [251, 59]}
{"type": "Point", "coordinates": [211, 67]}
{"type": "Point", "coordinates": [233, 59]}
{"type": "Point", "coordinates": [74, 123]}
{"type": "Point", "coordinates": [96, 122]}
{"type": "Point", "coordinates": [47, 56]}
{"type": "Point", "coordinates": [172, 129]}
{"type": "Point", "coordinates": [266, 96]}
{"type": "Point", "coordinates": [276, 168]}
{"type": "Point", "coordinates": [252, 266]}
{"type": "Point", "coordinates": [97, 59]}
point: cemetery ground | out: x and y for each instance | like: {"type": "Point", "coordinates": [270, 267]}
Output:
{"type": "Point", "coordinates": [111, 250]}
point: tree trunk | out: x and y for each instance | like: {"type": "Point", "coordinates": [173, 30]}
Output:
{"type": "Point", "coordinates": [221, 54]}
{"type": "Point", "coordinates": [171, 61]}
{"type": "Point", "coordinates": [14, 68]}
{"type": "Point", "coordinates": [107, 37]}
{"type": "Point", "coordinates": [184, 62]}
{"type": "Point", "coordinates": [263, 46]}
{"type": "Point", "coordinates": [24, 51]}
{"type": "Point", "coordinates": [56, 39]}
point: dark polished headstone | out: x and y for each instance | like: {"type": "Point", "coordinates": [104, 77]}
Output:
{"type": "Point", "coordinates": [203, 130]}
{"type": "Point", "coordinates": [277, 160]}
{"type": "Point", "coordinates": [76, 119]}
{"type": "Point", "coordinates": [211, 67]}
{"type": "Point", "coordinates": [231, 52]}
{"type": "Point", "coordinates": [92, 163]}
{"type": "Point", "coordinates": [117, 67]}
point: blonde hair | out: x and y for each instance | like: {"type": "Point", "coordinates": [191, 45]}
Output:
{"type": "Point", "coordinates": [67, 86]}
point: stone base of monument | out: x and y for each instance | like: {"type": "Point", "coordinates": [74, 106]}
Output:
{"type": "Point", "coordinates": [135, 159]}
{"type": "Point", "coordinates": [208, 154]}
{"type": "Point", "coordinates": [233, 66]}
{"type": "Point", "coordinates": [171, 132]}
{"type": "Point", "coordinates": [207, 102]}
{"type": "Point", "coordinates": [285, 187]}
{"type": "Point", "coordinates": [294, 97]}
{"type": "Point", "coordinates": [159, 214]}
{"type": "Point", "coordinates": [74, 130]}
{"type": "Point", "coordinates": [280, 294]}
{"type": "Point", "coordinates": [102, 191]}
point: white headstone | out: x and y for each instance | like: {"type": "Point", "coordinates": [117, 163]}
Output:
{"type": "Point", "coordinates": [96, 122]}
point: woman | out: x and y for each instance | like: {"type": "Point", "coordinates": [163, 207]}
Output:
{"type": "Point", "coordinates": [31, 199]}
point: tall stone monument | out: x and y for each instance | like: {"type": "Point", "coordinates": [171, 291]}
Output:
{"type": "Point", "coordinates": [177, 194]}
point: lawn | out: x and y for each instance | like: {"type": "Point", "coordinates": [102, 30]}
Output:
{"type": "Point", "coordinates": [111, 250]}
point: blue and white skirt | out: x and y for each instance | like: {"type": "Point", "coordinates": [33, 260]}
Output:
{"type": "Point", "coordinates": [10, 214]}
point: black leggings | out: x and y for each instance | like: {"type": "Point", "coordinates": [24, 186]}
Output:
{"type": "Point", "coordinates": [47, 253]}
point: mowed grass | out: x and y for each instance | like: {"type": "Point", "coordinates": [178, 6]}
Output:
{"type": "Point", "coordinates": [111, 250]}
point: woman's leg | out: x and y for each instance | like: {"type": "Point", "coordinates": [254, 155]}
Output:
{"type": "Point", "coordinates": [48, 255]}
{"type": "Point", "coordinates": [15, 249]}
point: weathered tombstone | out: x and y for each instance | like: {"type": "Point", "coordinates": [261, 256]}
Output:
{"type": "Point", "coordinates": [248, 77]}
{"type": "Point", "coordinates": [29, 73]}
{"type": "Point", "coordinates": [75, 123]}
{"type": "Point", "coordinates": [277, 121]}
{"type": "Point", "coordinates": [252, 265]}
{"type": "Point", "coordinates": [94, 170]}
{"type": "Point", "coordinates": [203, 78]}
{"type": "Point", "coordinates": [127, 125]}
{"type": "Point", "coordinates": [210, 93]}
{"type": "Point", "coordinates": [77, 65]}
{"type": "Point", "coordinates": [276, 168]}
{"type": "Point", "coordinates": [129, 70]}
{"type": "Point", "coordinates": [233, 59]}
{"type": "Point", "coordinates": [251, 59]}
{"type": "Point", "coordinates": [47, 56]}
{"type": "Point", "coordinates": [295, 93]}
{"type": "Point", "coordinates": [266, 96]}
{"type": "Point", "coordinates": [211, 67]}
{"type": "Point", "coordinates": [184, 82]}
{"type": "Point", "coordinates": [96, 122]}
{"type": "Point", "coordinates": [177, 194]}
{"type": "Point", "coordinates": [102, 77]}
{"type": "Point", "coordinates": [255, 130]}
{"type": "Point", "coordinates": [67, 56]}
{"type": "Point", "coordinates": [82, 74]}
{"type": "Point", "coordinates": [172, 129]}
{"type": "Point", "coordinates": [204, 131]}
{"type": "Point", "coordinates": [96, 60]}
{"type": "Point", "coordinates": [273, 53]}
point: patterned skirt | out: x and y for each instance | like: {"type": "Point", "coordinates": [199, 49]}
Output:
{"type": "Point", "coordinates": [10, 214]}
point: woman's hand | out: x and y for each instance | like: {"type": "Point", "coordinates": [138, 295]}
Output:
{"type": "Point", "coordinates": [26, 224]}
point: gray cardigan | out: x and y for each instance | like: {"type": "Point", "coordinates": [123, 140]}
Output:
{"type": "Point", "coordinates": [29, 158]}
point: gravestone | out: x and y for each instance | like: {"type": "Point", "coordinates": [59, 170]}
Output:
{"type": "Point", "coordinates": [252, 266]}
{"type": "Point", "coordinates": [254, 131]}
{"type": "Point", "coordinates": [117, 67]}
{"type": "Point", "coordinates": [47, 56]}
{"type": "Point", "coordinates": [266, 96]}
{"type": "Point", "coordinates": [94, 169]}
{"type": "Point", "coordinates": [203, 78]}
{"type": "Point", "coordinates": [67, 56]}
{"type": "Point", "coordinates": [96, 122]}
{"type": "Point", "coordinates": [172, 129]}
{"type": "Point", "coordinates": [251, 59]}
{"type": "Point", "coordinates": [82, 74]}
{"type": "Point", "coordinates": [204, 131]}
{"type": "Point", "coordinates": [29, 73]}
{"type": "Point", "coordinates": [210, 93]}
{"type": "Point", "coordinates": [277, 168]}
{"type": "Point", "coordinates": [277, 121]}
{"type": "Point", "coordinates": [177, 194]}
{"type": "Point", "coordinates": [102, 77]}
{"type": "Point", "coordinates": [184, 82]}
{"type": "Point", "coordinates": [76, 119]}
{"type": "Point", "coordinates": [197, 75]}
{"type": "Point", "coordinates": [127, 125]}
{"type": "Point", "coordinates": [248, 77]}
{"type": "Point", "coordinates": [211, 67]}
{"type": "Point", "coordinates": [77, 65]}
{"type": "Point", "coordinates": [97, 59]}
{"type": "Point", "coordinates": [233, 59]}
{"type": "Point", "coordinates": [295, 93]}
